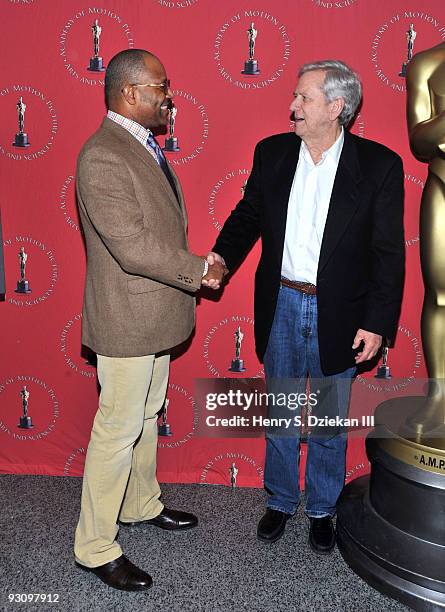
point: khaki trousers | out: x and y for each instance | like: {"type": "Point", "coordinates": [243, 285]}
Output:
{"type": "Point", "coordinates": [120, 469]}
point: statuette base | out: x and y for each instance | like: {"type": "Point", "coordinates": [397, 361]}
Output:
{"type": "Point", "coordinates": [21, 140]}
{"type": "Point", "coordinates": [383, 372]}
{"type": "Point", "coordinates": [23, 287]}
{"type": "Point", "coordinates": [171, 144]}
{"type": "Point", "coordinates": [251, 68]}
{"type": "Point", "coordinates": [237, 366]}
{"type": "Point", "coordinates": [96, 64]}
{"type": "Point", "coordinates": [25, 423]}
{"type": "Point", "coordinates": [164, 430]}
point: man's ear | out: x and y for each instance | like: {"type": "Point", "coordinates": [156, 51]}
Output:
{"type": "Point", "coordinates": [128, 93]}
{"type": "Point", "coordinates": [337, 106]}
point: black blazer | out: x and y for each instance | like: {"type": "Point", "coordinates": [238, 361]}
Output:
{"type": "Point", "coordinates": [361, 267]}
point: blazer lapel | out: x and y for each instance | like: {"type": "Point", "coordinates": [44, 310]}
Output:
{"type": "Point", "coordinates": [148, 158]}
{"type": "Point", "coordinates": [139, 150]}
{"type": "Point", "coordinates": [344, 199]}
{"type": "Point", "coordinates": [285, 170]}
{"type": "Point", "coordinates": [180, 193]}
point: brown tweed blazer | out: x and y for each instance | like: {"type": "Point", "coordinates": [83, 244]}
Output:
{"type": "Point", "coordinates": [140, 274]}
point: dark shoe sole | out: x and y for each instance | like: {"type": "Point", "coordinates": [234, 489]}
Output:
{"type": "Point", "coordinates": [321, 551]}
{"type": "Point", "coordinates": [134, 590]}
{"type": "Point", "coordinates": [274, 539]}
{"type": "Point", "coordinates": [139, 523]}
{"type": "Point", "coordinates": [270, 540]}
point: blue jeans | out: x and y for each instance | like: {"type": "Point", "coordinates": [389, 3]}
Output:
{"type": "Point", "coordinates": [292, 355]}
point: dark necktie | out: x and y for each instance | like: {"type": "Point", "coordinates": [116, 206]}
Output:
{"type": "Point", "coordinates": [152, 142]}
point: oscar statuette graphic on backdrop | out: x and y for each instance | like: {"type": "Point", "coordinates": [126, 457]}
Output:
{"type": "Point", "coordinates": [25, 419]}
{"type": "Point", "coordinates": [164, 429]}
{"type": "Point", "coordinates": [21, 138]}
{"type": "Point", "coordinates": [23, 284]}
{"type": "Point", "coordinates": [384, 371]}
{"type": "Point", "coordinates": [410, 38]}
{"type": "Point", "coordinates": [391, 524]}
{"type": "Point", "coordinates": [171, 143]}
{"type": "Point", "coordinates": [233, 471]}
{"type": "Point", "coordinates": [237, 364]}
{"type": "Point", "coordinates": [251, 64]}
{"type": "Point", "coordinates": [96, 62]}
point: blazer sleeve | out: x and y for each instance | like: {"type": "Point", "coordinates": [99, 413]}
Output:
{"type": "Point", "coordinates": [107, 195]}
{"type": "Point", "coordinates": [242, 228]}
{"type": "Point", "coordinates": [387, 267]}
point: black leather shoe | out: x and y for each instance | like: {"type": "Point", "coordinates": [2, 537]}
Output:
{"type": "Point", "coordinates": [271, 526]}
{"type": "Point", "coordinates": [172, 520]}
{"type": "Point", "coordinates": [121, 574]}
{"type": "Point", "coordinates": [322, 535]}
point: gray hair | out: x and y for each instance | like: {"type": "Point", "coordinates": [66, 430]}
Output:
{"type": "Point", "coordinates": [340, 82]}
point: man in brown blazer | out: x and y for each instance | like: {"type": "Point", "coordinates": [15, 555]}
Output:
{"type": "Point", "coordinates": [138, 304]}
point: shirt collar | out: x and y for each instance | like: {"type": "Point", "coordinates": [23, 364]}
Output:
{"type": "Point", "coordinates": [333, 153]}
{"type": "Point", "coordinates": [136, 129]}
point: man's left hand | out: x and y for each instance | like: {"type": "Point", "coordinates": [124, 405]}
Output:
{"type": "Point", "coordinates": [372, 344]}
{"type": "Point", "coordinates": [215, 275]}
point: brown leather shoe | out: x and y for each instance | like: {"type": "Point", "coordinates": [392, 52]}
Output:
{"type": "Point", "coordinates": [121, 574]}
{"type": "Point", "coordinates": [172, 520]}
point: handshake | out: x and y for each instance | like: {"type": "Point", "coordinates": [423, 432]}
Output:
{"type": "Point", "coordinates": [216, 271]}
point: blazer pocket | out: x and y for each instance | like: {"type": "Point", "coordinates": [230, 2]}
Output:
{"type": "Point", "coordinates": [144, 285]}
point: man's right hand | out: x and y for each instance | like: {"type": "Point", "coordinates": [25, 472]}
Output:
{"type": "Point", "coordinates": [215, 274]}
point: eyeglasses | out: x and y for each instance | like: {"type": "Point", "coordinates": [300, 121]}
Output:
{"type": "Point", "coordinates": [165, 86]}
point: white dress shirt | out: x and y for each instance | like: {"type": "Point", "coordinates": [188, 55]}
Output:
{"type": "Point", "coordinates": [307, 211]}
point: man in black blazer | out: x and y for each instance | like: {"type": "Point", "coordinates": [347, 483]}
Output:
{"type": "Point", "coordinates": [328, 207]}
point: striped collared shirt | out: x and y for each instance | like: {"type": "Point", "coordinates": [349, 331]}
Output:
{"type": "Point", "coordinates": [135, 129]}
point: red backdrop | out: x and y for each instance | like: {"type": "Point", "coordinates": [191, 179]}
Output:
{"type": "Point", "coordinates": [45, 50]}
